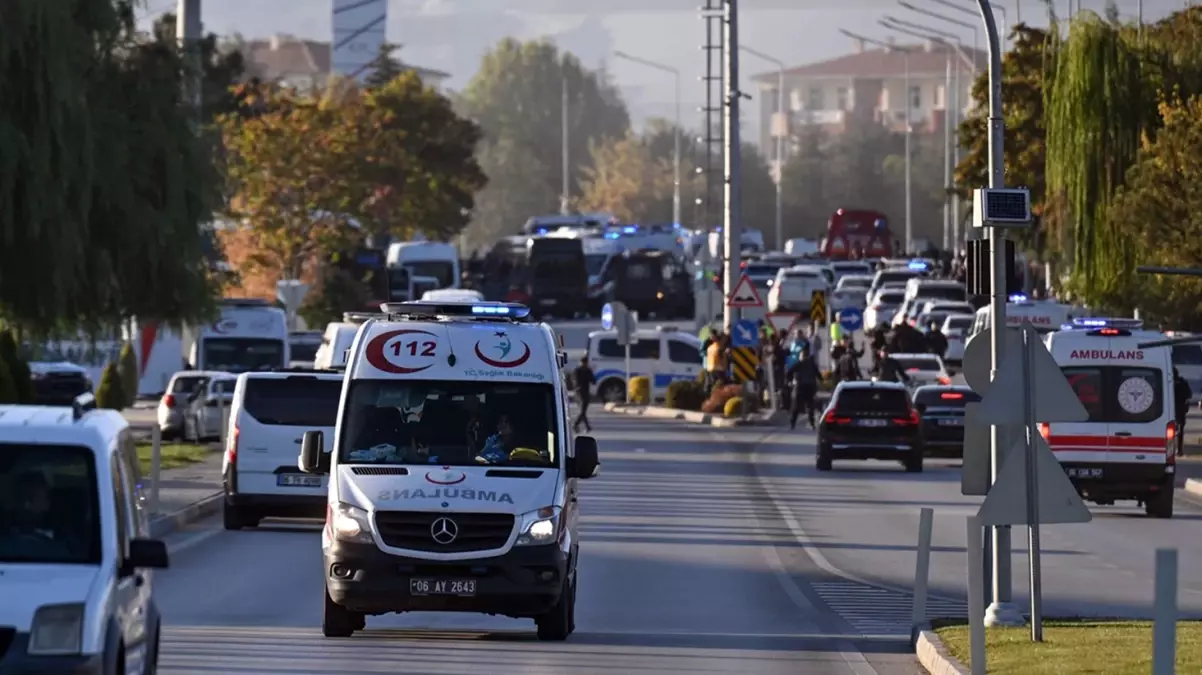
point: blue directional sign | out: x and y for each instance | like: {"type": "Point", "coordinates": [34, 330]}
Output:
{"type": "Point", "coordinates": [745, 334]}
{"type": "Point", "coordinates": [851, 319]}
{"type": "Point", "coordinates": [607, 317]}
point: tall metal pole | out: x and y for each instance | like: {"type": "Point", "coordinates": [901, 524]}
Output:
{"type": "Point", "coordinates": [909, 130]}
{"type": "Point", "coordinates": [676, 132]}
{"type": "Point", "coordinates": [1001, 610]}
{"type": "Point", "coordinates": [188, 30]}
{"type": "Point", "coordinates": [731, 227]}
{"type": "Point", "coordinates": [565, 196]}
{"type": "Point", "coordinates": [957, 240]}
{"type": "Point", "coordinates": [780, 157]}
{"type": "Point", "coordinates": [947, 149]}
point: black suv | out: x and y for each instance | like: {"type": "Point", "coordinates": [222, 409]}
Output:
{"type": "Point", "coordinates": [870, 420]}
{"type": "Point", "coordinates": [941, 411]}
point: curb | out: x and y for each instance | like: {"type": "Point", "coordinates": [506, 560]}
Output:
{"type": "Point", "coordinates": [710, 419]}
{"type": "Point", "coordinates": [934, 657]}
{"type": "Point", "coordinates": [1193, 486]}
{"type": "Point", "coordinates": [165, 524]}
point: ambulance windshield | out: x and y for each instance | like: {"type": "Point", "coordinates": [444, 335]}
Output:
{"type": "Point", "coordinates": [476, 423]}
{"type": "Point", "coordinates": [1119, 394]}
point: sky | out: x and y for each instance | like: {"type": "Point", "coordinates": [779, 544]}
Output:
{"type": "Point", "coordinates": [451, 35]}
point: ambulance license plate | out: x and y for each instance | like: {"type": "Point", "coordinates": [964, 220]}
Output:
{"type": "Point", "coordinates": [1083, 472]}
{"type": "Point", "coordinates": [464, 588]}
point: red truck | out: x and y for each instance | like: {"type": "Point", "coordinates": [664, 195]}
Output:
{"type": "Point", "coordinates": [862, 232]}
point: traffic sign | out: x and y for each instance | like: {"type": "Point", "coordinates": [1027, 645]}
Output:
{"type": "Point", "coordinates": [744, 333]}
{"type": "Point", "coordinates": [744, 361]}
{"type": "Point", "coordinates": [851, 319]}
{"type": "Point", "coordinates": [977, 357]}
{"type": "Point", "coordinates": [976, 471]}
{"type": "Point", "coordinates": [744, 294]}
{"type": "Point", "coordinates": [1053, 398]}
{"type": "Point", "coordinates": [1006, 503]}
{"type": "Point", "coordinates": [607, 317]}
{"type": "Point", "coordinates": [781, 322]}
{"type": "Point", "coordinates": [818, 308]}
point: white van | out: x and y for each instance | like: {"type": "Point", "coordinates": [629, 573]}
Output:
{"type": "Point", "coordinates": [269, 414]}
{"type": "Point", "coordinates": [432, 259]}
{"type": "Point", "coordinates": [249, 335]}
{"type": "Point", "coordinates": [453, 475]}
{"type": "Point", "coordinates": [76, 557]}
{"type": "Point", "coordinates": [662, 354]}
{"type": "Point", "coordinates": [1045, 317]}
{"type": "Point", "coordinates": [337, 340]}
{"type": "Point", "coordinates": [1127, 448]}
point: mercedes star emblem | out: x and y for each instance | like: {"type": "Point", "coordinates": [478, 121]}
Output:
{"type": "Point", "coordinates": [444, 531]}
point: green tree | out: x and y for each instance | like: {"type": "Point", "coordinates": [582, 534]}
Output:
{"type": "Point", "coordinates": [8, 389]}
{"type": "Point", "coordinates": [627, 180]}
{"type": "Point", "coordinates": [223, 67]}
{"type": "Point", "coordinates": [110, 395]}
{"type": "Point", "coordinates": [386, 66]}
{"type": "Point", "coordinates": [127, 368]}
{"type": "Point", "coordinates": [1023, 89]}
{"type": "Point", "coordinates": [807, 183]}
{"type": "Point", "coordinates": [18, 369]}
{"type": "Point", "coordinates": [516, 97]}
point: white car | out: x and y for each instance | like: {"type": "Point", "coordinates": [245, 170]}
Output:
{"type": "Point", "coordinates": [270, 414]}
{"type": "Point", "coordinates": [76, 577]}
{"type": "Point", "coordinates": [882, 307]}
{"type": "Point", "coordinates": [846, 268]}
{"type": "Point", "coordinates": [453, 295]}
{"type": "Point", "coordinates": [851, 291]}
{"type": "Point", "coordinates": [955, 329]}
{"type": "Point", "coordinates": [174, 404]}
{"type": "Point", "coordinates": [209, 408]}
{"type": "Point", "coordinates": [923, 369]}
{"type": "Point", "coordinates": [794, 287]}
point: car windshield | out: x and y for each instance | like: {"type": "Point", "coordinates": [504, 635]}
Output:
{"type": "Point", "coordinates": [304, 351]}
{"type": "Point", "coordinates": [890, 298]}
{"type": "Point", "coordinates": [225, 386]}
{"type": "Point", "coordinates": [871, 399]}
{"type": "Point", "coordinates": [960, 322]}
{"type": "Point", "coordinates": [442, 270]}
{"type": "Point", "coordinates": [1187, 355]}
{"type": "Point", "coordinates": [853, 282]}
{"type": "Point", "coordinates": [239, 355]}
{"type": "Point", "coordinates": [926, 365]}
{"type": "Point", "coordinates": [187, 385]}
{"type": "Point", "coordinates": [48, 505]}
{"type": "Point", "coordinates": [449, 423]}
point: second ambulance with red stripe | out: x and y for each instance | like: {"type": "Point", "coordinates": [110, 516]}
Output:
{"type": "Point", "coordinates": [1126, 450]}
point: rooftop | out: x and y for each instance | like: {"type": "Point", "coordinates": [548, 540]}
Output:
{"type": "Point", "coordinates": [285, 55]}
{"type": "Point", "coordinates": [925, 59]}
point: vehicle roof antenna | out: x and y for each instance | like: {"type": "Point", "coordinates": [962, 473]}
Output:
{"type": "Point", "coordinates": [450, 346]}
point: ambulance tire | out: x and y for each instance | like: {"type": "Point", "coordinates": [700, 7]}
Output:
{"type": "Point", "coordinates": [556, 624]}
{"type": "Point", "coordinates": [1160, 505]}
{"type": "Point", "coordinates": [338, 621]}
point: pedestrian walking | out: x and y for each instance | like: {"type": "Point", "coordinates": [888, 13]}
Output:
{"type": "Point", "coordinates": [584, 379]}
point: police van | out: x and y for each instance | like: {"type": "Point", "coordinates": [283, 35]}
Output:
{"type": "Point", "coordinates": [1126, 450]}
{"type": "Point", "coordinates": [663, 355]}
{"type": "Point", "coordinates": [76, 557]}
{"type": "Point", "coordinates": [453, 471]}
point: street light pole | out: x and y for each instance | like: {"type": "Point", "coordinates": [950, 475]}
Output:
{"type": "Point", "coordinates": [963, 24]}
{"type": "Point", "coordinates": [188, 31]}
{"type": "Point", "coordinates": [779, 140]}
{"type": "Point", "coordinates": [676, 132]}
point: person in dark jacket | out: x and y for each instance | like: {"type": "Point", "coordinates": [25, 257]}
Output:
{"type": "Point", "coordinates": [847, 367]}
{"type": "Point", "coordinates": [584, 379]}
{"type": "Point", "coordinates": [936, 340]}
{"type": "Point", "coordinates": [889, 370]}
{"type": "Point", "coordinates": [803, 378]}
{"type": "Point", "coordinates": [1182, 393]}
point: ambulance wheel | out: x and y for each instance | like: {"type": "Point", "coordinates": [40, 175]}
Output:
{"type": "Point", "coordinates": [338, 621]}
{"type": "Point", "coordinates": [1160, 505]}
{"type": "Point", "coordinates": [612, 391]}
{"type": "Point", "coordinates": [556, 624]}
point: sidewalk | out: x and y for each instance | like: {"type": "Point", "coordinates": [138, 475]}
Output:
{"type": "Point", "coordinates": [186, 494]}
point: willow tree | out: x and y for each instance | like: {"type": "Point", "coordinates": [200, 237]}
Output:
{"type": "Point", "coordinates": [1096, 112]}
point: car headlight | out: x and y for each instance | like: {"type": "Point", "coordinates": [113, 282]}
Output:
{"type": "Point", "coordinates": [350, 524]}
{"type": "Point", "coordinates": [57, 630]}
{"type": "Point", "coordinates": [539, 527]}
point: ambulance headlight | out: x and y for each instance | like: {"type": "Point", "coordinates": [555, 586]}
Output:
{"type": "Point", "coordinates": [350, 524]}
{"type": "Point", "coordinates": [57, 630]}
{"type": "Point", "coordinates": [540, 527]}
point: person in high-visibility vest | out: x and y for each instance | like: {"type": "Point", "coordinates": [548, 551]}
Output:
{"type": "Point", "coordinates": [836, 333]}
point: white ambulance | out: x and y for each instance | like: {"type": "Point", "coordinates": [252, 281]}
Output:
{"type": "Point", "coordinates": [453, 471]}
{"type": "Point", "coordinates": [1126, 450]}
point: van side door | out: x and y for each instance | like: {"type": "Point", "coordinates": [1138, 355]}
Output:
{"type": "Point", "coordinates": [131, 593]}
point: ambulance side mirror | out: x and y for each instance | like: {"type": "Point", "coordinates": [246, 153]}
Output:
{"type": "Point", "coordinates": [312, 459]}
{"type": "Point", "coordinates": [585, 464]}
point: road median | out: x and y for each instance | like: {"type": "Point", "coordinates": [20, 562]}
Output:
{"type": "Point", "coordinates": [761, 418]}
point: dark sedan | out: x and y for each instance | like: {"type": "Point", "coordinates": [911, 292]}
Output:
{"type": "Point", "coordinates": [870, 420]}
{"type": "Point", "coordinates": [941, 410]}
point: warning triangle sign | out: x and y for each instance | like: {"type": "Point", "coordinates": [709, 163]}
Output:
{"type": "Point", "coordinates": [1006, 503]}
{"type": "Point", "coordinates": [744, 294]}
{"type": "Point", "coordinates": [782, 321]}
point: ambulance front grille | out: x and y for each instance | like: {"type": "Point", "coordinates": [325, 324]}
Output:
{"type": "Point", "coordinates": [414, 530]}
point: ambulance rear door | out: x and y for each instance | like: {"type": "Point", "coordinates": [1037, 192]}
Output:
{"type": "Point", "coordinates": [1142, 403]}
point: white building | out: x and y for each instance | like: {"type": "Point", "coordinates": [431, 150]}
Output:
{"type": "Point", "coordinates": [305, 64]}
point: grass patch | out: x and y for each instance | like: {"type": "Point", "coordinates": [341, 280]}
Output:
{"type": "Point", "coordinates": [1079, 646]}
{"type": "Point", "coordinates": [173, 455]}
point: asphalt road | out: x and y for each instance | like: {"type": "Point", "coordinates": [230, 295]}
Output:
{"type": "Point", "coordinates": [687, 567]}
{"type": "Point", "coordinates": [862, 520]}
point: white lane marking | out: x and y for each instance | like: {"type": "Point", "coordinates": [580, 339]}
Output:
{"type": "Point", "coordinates": [189, 542]}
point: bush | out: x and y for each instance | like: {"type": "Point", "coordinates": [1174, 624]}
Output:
{"type": "Point", "coordinates": [127, 368]}
{"type": "Point", "coordinates": [8, 390]}
{"type": "Point", "coordinates": [110, 395]}
{"type": "Point", "coordinates": [719, 396]}
{"type": "Point", "coordinates": [733, 407]}
{"type": "Point", "coordinates": [18, 370]}
{"type": "Point", "coordinates": [640, 390]}
{"type": "Point", "coordinates": [685, 395]}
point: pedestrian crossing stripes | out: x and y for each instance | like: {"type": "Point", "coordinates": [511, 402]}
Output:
{"type": "Point", "coordinates": [744, 361]}
{"type": "Point", "coordinates": [874, 611]}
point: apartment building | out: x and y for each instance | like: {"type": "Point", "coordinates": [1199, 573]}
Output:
{"type": "Point", "coordinates": [305, 64]}
{"type": "Point", "coordinates": [868, 85]}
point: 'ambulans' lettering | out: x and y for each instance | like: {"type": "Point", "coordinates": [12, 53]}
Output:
{"type": "Point", "coordinates": [446, 493]}
{"type": "Point", "coordinates": [1107, 355]}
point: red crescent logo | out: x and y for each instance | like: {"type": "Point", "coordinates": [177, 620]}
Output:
{"type": "Point", "coordinates": [505, 364]}
{"type": "Point", "coordinates": [375, 352]}
{"type": "Point", "coordinates": [462, 477]}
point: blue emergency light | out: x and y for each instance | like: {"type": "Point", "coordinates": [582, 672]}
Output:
{"type": "Point", "coordinates": [918, 265]}
{"type": "Point", "coordinates": [630, 229]}
{"type": "Point", "coordinates": [480, 310]}
{"type": "Point", "coordinates": [1097, 322]}
{"type": "Point", "coordinates": [1018, 297]}
{"type": "Point", "coordinates": [612, 235]}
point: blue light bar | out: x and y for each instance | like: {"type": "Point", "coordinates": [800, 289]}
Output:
{"type": "Point", "coordinates": [630, 229]}
{"type": "Point", "coordinates": [612, 235]}
{"type": "Point", "coordinates": [917, 265]}
{"type": "Point", "coordinates": [453, 309]}
{"type": "Point", "coordinates": [1098, 322]}
{"type": "Point", "coordinates": [1018, 297]}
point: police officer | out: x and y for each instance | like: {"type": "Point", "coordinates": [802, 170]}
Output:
{"type": "Point", "coordinates": [803, 378]}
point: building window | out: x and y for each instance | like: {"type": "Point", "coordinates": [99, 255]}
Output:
{"type": "Point", "coordinates": [841, 100]}
{"type": "Point", "coordinates": [815, 99]}
{"type": "Point", "coordinates": [915, 97]}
